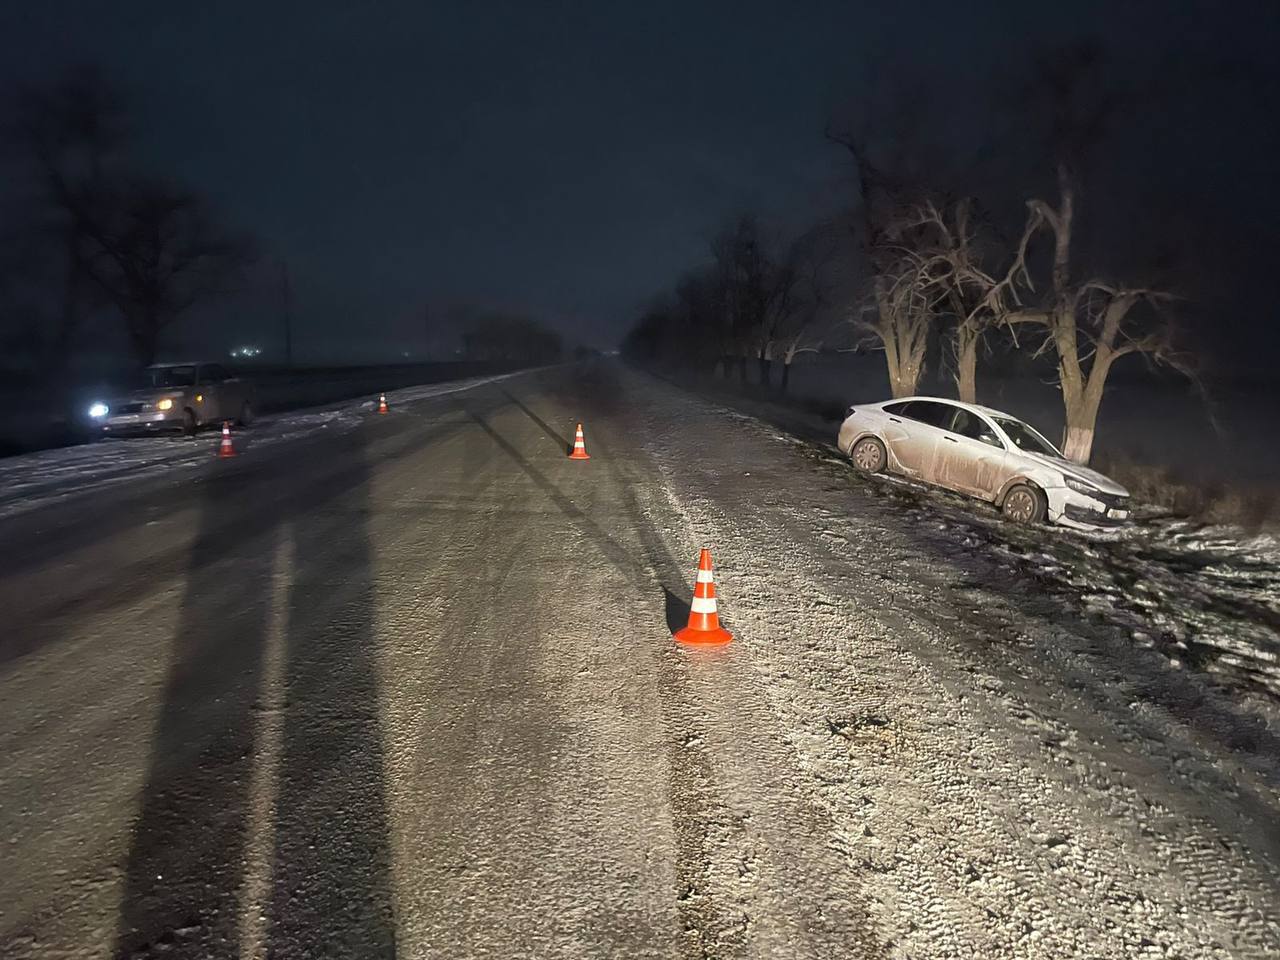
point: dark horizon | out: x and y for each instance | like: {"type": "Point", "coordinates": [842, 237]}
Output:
{"type": "Point", "coordinates": [570, 164]}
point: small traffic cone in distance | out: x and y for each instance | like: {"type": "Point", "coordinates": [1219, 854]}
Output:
{"type": "Point", "coordinates": [382, 403]}
{"type": "Point", "coordinates": [225, 449]}
{"type": "Point", "coordinates": [579, 447]}
{"type": "Point", "coordinates": [704, 622]}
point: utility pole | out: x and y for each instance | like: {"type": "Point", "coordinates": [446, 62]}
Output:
{"type": "Point", "coordinates": [286, 310]}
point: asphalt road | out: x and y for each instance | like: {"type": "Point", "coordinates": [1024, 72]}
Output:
{"type": "Point", "coordinates": [406, 689]}
{"type": "Point", "coordinates": [405, 686]}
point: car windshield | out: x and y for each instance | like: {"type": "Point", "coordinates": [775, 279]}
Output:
{"type": "Point", "coordinates": [162, 378]}
{"type": "Point", "coordinates": [1026, 438]}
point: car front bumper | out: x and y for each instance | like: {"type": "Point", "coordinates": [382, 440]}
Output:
{"type": "Point", "coordinates": [144, 422]}
{"type": "Point", "coordinates": [1071, 509]}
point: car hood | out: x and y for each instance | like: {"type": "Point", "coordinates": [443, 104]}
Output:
{"type": "Point", "coordinates": [1074, 470]}
{"type": "Point", "coordinates": [150, 394]}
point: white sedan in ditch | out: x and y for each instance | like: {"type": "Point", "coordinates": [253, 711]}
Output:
{"type": "Point", "coordinates": [983, 453]}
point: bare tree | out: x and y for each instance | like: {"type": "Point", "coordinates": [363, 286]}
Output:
{"type": "Point", "coordinates": [899, 314]}
{"type": "Point", "coordinates": [975, 297]}
{"type": "Point", "coordinates": [744, 271]}
{"type": "Point", "coordinates": [697, 322]}
{"type": "Point", "coordinates": [804, 328]}
{"type": "Point", "coordinates": [887, 149]}
{"type": "Point", "coordinates": [152, 250]}
{"type": "Point", "coordinates": [157, 254]}
{"type": "Point", "coordinates": [1088, 323]}
{"type": "Point", "coordinates": [68, 135]}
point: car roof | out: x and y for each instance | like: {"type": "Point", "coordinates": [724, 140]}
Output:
{"type": "Point", "coordinates": [988, 411]}
{"type": "Point", "coordinates": [180, 363]}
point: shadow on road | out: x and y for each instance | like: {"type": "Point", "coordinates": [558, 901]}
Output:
{"type": "Point", "coordinates": [677, 611]}
{"type": "Point", "coordinates": [263, 825]}
{"type": "Point", "coordinates": [546, 427]}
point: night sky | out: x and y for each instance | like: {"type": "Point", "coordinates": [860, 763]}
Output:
{"type": "Point", "coordinates": [570, 159]}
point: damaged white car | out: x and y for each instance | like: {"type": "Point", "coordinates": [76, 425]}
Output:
{"type": "Point", "coordinates": [983, 453]}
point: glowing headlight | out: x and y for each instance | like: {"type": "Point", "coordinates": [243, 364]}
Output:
{"type": "Point", "coordinates": [98, 410]}
{"type": "Point", "coordinates": [165, 404]}
{"type": "Point", "coordinates": [1079, 486]}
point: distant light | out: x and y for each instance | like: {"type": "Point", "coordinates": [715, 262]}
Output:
{"type": "Point", "coordinates": [246, 351]}
{"type": "Point", "coordinates": [98, 410]}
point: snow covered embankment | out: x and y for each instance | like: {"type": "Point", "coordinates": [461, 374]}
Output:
{"type": "Point", "coordinates": [29, 480]}
{"type": "Point", "coordinates": [1016, 772]}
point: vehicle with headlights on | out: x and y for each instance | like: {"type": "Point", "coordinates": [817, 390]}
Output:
{"type": "Point", "coordinates": [983, 453]}
{"type": "Point", "coordinates": [176, 396]}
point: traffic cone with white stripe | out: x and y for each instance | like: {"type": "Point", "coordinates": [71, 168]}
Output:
{"type": "Point", "coordinates": [704, 623]}
{"type": "Point", "coordinates": [579, 447]}
{"type": "Point", "coordinates": [225, 449]}
{"type": "Point", "coordinates": [382, 403]}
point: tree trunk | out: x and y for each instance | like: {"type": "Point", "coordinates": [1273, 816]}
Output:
{"type": "Point", "coordinates": [59, 350]}
{"type": "Point", "coordinates": [1082, 420]}
{"type": "Point", "coordinates": [766, 371]}
{"type": "Point", "coordinates": [897, 387]}
{"type": "Point", "coordinates": [967, 365]}
{"type": "Point", "coordinates": [144, 334]}
{"type": "Point", "coordinates": [786, 376]}
{"type": "Point", "coordinates": [742, 368]}
{"type": "Point", "coordinates": [904, 373]}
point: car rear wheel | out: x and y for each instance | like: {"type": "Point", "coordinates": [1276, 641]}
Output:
{"type": "Point", "coordinates": [868, 455]}
{"type": "Point", "coordinates": [1024, 504]}
{"type": "Point", "coordinates": [246, 414]}
{"type": "Point", "coordinates": [188, 423]}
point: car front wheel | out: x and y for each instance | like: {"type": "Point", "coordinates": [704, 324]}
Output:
{"type": "Point", "coordinates": [1024, 504]}
{"type": "Point", "coordinates": [188, 423]}
{"type": "Point", "coordinates": [868, 455]}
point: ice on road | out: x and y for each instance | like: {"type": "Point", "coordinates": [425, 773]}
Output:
{"type": "Point", "coordinates": [408, 688]}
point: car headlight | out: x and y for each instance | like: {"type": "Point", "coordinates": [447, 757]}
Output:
{"type": "Point", "coordinates": [165, 404]}
{"type": "Point", "coordinates": [1079, 486]}
{"type": "Point", "coordinates": [98, 410]}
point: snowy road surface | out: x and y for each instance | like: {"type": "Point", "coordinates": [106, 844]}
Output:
{"type": "Point", "coordinates": [34, 479]}
{"type": "Point", "coordinates": [407, 689]}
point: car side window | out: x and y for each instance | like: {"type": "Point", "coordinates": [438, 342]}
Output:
{"type": "Point", "coordinates": [974, 427]}
{"type": "Point", "coordinates": [898, 409]}
{"type": "Point", "coordinates": [934, 414]}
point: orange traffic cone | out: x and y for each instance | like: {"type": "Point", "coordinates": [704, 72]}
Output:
{"type": "Point", "coordinates": [704, 623]}
{"type": "Point", "coordinates": [225, 449]}
{"type": "Point", "coordinates": [382, 403]}
{"type": "Point", "coordinates": [579, 447]}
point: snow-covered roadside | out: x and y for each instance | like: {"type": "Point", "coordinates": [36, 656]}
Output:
{"type": "Point", "coordinates": [30, 480]}
{"type": "Point", "coordinates": [1207, 597]}
{"type": "Point", "coordinates": [1019, 767]}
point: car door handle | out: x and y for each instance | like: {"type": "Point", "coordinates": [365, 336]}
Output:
{"type": "Point", "coordinates": [951, 439]}
{"type": "Point", "coordinates": [894, 420]}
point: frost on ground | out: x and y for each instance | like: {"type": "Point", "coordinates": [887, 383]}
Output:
{"type": "Point", "coordinates": [1032, 743]}
{"type": "Point", "coordinates": [28, 480]}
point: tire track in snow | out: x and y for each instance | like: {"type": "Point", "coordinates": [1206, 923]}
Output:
{"type": "Point", "coordinates": [816, 920]}
{"type": "Point", "coordinates": [690, 785]}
